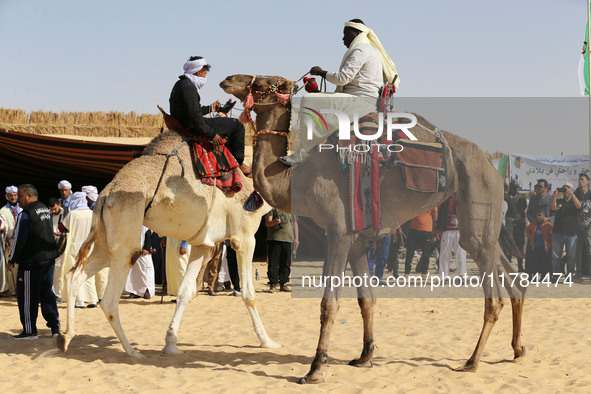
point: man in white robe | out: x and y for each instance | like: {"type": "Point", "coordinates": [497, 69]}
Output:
{"type": "Point", "coordinates": [177, 259]}
{"type": "Point", "coordinates": [78, 222]}
{"type": "Point", "coordinates": [140, 280]}
{"type": "Point", "coordinates": [8, 215]}
{"type": "Point", "coordinates": [365, 68]}
{"type": "Point", "coordinates": [101, 278]}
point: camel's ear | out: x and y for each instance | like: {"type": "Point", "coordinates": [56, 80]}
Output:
{"type": "Point", "coordinates": [285, 85]}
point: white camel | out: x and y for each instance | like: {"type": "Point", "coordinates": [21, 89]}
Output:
{"type": "Point", "coordinates": [160, 190]}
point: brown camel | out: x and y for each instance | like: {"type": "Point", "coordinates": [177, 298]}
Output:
{"type": "Point", "coordinates": [473, 181]}
{"type": "Point", "coordinates": [168, 199]}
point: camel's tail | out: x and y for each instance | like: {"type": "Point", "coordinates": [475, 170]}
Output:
{"type": "Point", "coordinates": [84, 251]}
{"type": "Point", "coordinates": [508, 244]}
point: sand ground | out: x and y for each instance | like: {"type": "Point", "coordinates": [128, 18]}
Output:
{"type": "Point", "coordinates": [419, 341]}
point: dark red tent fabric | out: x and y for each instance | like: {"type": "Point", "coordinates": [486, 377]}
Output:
{"type": "Point", "coordinates": [44, 161]}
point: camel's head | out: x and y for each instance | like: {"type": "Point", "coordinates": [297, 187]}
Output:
{"type": "Point", "coordinates": [261, 86]}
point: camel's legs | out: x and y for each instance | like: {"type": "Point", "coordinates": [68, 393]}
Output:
{"type": "Point", "coordinates": [73, 281]}
{"type": "Point", "coordinates": [110, 301]}
{"type": "Point", "coordinates": [517, 294]}
{"type": "Point", "coordinates": [517, 309]}
{"type": "Point", "coordinates": [188, 285]}
{"type": "Point", "coordinates": [367, 302]}
{"type": "Point", "coordinates": [337, 251]}
{"type": "Point", "coordinates": [244, 252]}
{"type": "Point", "coordinates": [492, 308]}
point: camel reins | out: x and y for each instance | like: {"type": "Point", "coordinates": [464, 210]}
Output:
{"type": "Point", "coordinates": [175, 152]}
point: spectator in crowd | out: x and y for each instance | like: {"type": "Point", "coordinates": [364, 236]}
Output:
{"type": "Point", "coordinates": [421, 236]}
{"type": "Point", "coordinates": [233, 268]}
{"type": "Point", "coordinates": [539, 248]}
{"type": "Point", "coordinates": [78, 222]}
{"type": "Point", "coordinates": [101, 278]}
{"type": "Point", "coordinates": [583, 194]}
{"type": "Point", "coordinates": [57, 215]}
{"type": "Point", "coordinates": [449, 230]}
{"type": "Point", "coordinates": [177, 259]}
{"type": "Point", "coordinates": [397, 242]}
{"type": "Point", "coordinates": [34, 249]}
{"type": "Point", "coordinates": [212, 270]}
{"type": "Point", "coordinates": [140, 280]}
{"type": "Point", "coordinates": [282, 231]}
{"type": "Point", "coordinates": [91, 195]}
{"type": "Point", "coordinates": [539, 200]}
{"type": "Point", "coordinates": [377, 255]}
{"type": "Point", "coordinates": [65, 189]}
{"type": "Point", "coordinates": [158, 258]}
{"type": "Point", "coordinates": [8, 215]}
{"type": "Point", "coordinates": [564, 234]}
{"type": "Point", "coordinates": [515, 219]}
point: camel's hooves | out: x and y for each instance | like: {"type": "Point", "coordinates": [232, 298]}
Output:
{"type": "Point", "coordinates": [311, 379]}
{"type": "Point", "coordinates": [271, 345]}
{"type": "Point", "coordinates": [520, 357]}
{"type": "Point", "coordinates": [468, 367]}
{"type": "Point", "coordinates": [171, 350]}
{"type": "Point", "coordinates": [136, 354]}
{"type": "Point", "coordinates": [361, 364]}
{"type": "Point", "coordinates": [62, 342]}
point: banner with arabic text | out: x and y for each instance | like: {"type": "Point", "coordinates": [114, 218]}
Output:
{"type": "Point", "coordinates": [557, 170]}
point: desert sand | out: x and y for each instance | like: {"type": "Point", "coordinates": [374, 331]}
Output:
{"type": "Point", "coordinates": [419, 341]}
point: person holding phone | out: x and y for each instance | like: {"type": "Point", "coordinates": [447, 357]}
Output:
{"type": "Point", "coordinates": [565, 228]}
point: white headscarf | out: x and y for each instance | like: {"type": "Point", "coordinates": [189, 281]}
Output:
{"type": "Point", "coordinates": [65, 184]}
{"type": "Point", "coordinates": [10, 189]}
{"type": "Point", "coordinates": [368, 36]}
{"type": "Point", "coordinates": [78, 201]}
{"type": "Point", "coordinates": [91, 192]}
{"type": "Point", "coordinates": [191, 67]}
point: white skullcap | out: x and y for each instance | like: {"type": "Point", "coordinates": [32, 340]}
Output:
{"type": "Point", "coordinates": [11, 189]}
{"type": "Point", "coordinates": [91, 192]}
{"type": "Point", "coordinates": [78, 201]}
{"type": "Point", "coordinates": [192, 66]}
{"type": "Point", "coordinates": [64, 184]}
{"type": "Point", "coordinates": [569, 185]}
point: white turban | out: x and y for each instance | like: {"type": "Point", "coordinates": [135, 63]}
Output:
{"type": "Point", "coordinates": [11, 189]}
{"type": "Point", "coordinates": [78, 201]}
{"type": "Point", "coordinates": [64, 184]}
{"type": "Point", "coordinates": [91, 192]}
{"type": "Point", "coordinates": [367, 35]}
{"type": "Point", "coordinates": [192, 66]}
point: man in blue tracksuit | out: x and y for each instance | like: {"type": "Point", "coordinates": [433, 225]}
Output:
{"type": "Point", "coordinates": [34, 250]}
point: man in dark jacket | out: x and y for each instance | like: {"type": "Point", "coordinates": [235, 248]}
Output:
{"type": "Point", "coordinates": [34, 250]}
{"type": "Point", "coordinates": [185, 106]}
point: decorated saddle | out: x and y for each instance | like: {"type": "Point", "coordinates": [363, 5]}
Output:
{"type": "Point", "coordinates": [214, 165]}
{"type": "Point", "coordinates": [422, 166]}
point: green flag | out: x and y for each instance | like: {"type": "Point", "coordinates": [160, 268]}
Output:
{"type": "Point", "coordinates": [584, 65]}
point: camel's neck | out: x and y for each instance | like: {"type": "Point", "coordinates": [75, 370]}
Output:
{"type": "Point", "coordinates": [271, 178]}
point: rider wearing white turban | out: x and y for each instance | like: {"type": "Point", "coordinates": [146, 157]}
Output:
{"type": "Point", "coordinates": [185, 106]}
{"type": "Point", "coordinates": [364, 70]}
{"type": "Point", "coordinates": [366, 66]}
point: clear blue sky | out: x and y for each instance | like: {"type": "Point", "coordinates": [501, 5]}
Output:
{"type": "Point", "coordinates": [66, 55]}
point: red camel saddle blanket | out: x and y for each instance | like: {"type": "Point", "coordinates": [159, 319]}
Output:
{"type": "Point", "coordinates": [422, 165]}
{"type": "Point", "coordinates": [215, 165]}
